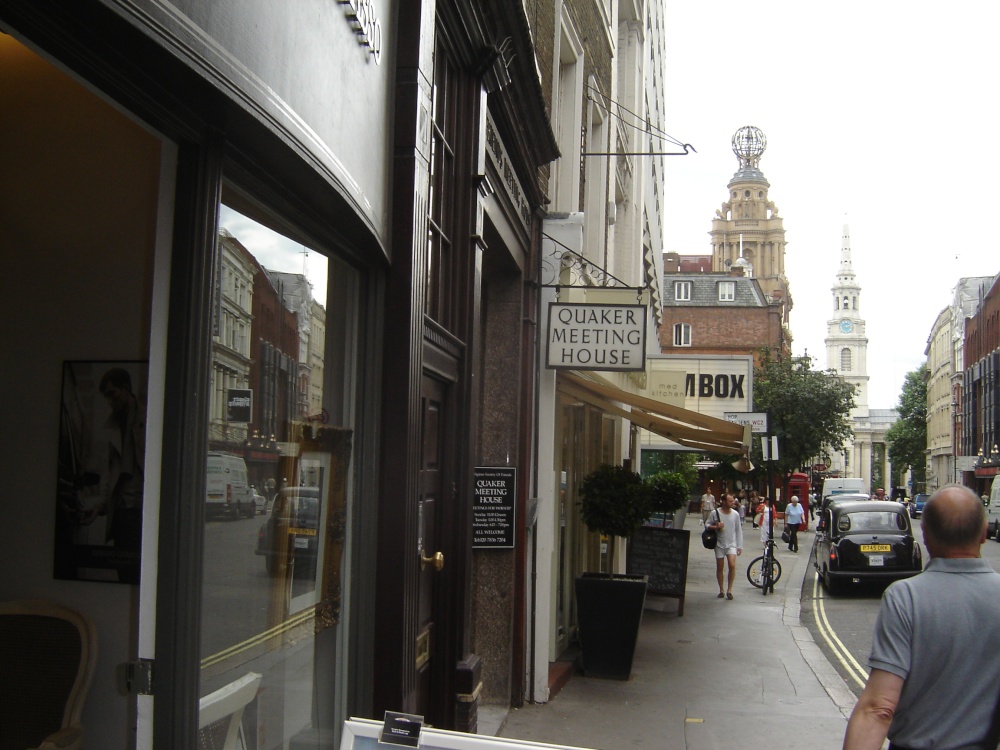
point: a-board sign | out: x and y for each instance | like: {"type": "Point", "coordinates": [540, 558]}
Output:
{"type": "Point", "coordinates": [662, 555]}
{"type": "Point", "coordinates": [493, 493]}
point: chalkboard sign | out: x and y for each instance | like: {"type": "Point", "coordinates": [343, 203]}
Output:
{"type": "Point", "coordinates": [661, 554]}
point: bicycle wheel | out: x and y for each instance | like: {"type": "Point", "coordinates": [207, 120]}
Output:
{"type": "Point", "coordinates": [755, 571]}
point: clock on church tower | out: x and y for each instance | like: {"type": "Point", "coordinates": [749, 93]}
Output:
{"type": "Point", "coordinates": [846, 326]}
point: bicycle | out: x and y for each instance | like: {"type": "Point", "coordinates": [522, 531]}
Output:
{"type": "Point", "coordinates": [760, 574]}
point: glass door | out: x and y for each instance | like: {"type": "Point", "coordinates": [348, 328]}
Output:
{"type": "Point", "coordinates": [278, 488]}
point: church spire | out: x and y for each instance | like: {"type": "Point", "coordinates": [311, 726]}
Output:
{"type": "Point", "coordinates": [846, 291]}
{"type": "Point", "coordinates": [846, 342]}
{"type": "Point", "coordinates": [846, 269]}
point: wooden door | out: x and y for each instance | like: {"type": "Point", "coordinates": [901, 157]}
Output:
{"type": "Point", "coordinates": [432, 430]}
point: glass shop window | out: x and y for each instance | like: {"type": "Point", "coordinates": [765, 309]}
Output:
{"type": "Point", "coordinates": [278, 486]}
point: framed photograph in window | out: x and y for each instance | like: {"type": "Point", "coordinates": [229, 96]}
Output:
{"type": "Point", "coordinates": [101, 471]}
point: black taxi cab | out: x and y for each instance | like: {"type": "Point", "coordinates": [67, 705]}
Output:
{"type": "Point", "coordinates": [864, 540]}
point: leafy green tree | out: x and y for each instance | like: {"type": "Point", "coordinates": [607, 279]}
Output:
{"type": "Point", "coordinates": [614, 501]}
{"type": "Point", "coordinates": [669, 491]}
{"type": "Point", "coordinates": [682, 462]}
{"type": "Point", "coordinates": [809, 410]}
{"type": "Point", "coordinates": [907, 438]}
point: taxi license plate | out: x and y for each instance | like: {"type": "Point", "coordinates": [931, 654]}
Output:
{"type": "Point", "coordinates": [875, 548]}
{"type": "Point", "coordinates": [876, 561]}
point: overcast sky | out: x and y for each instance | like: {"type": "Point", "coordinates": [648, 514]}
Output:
{"type": "Point", "coordinates": [878, 114]}
{"type": "Point", "coordinates": [275, 252]}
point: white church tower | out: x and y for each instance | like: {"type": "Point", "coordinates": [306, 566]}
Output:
{"type": "Point", "coordinates": [847, 355]}
{"type": "Point", "coordinates": [846, 343]}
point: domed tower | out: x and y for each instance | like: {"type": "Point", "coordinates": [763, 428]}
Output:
{"type": "Point", "coordinates": [747, 226]}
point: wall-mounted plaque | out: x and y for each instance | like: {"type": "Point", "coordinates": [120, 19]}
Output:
{"type": "Point", "coordinates": [493, 506]}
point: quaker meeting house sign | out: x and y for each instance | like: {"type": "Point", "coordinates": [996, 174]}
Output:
{"type": "Point", "coordinates": [597, 337]}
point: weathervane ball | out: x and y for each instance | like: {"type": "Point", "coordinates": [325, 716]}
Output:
{"type": "Point", "coordinates": [749, 143]}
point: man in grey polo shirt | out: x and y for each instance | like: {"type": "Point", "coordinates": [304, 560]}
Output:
{"type": "Point", "coordinates": [935, 669]}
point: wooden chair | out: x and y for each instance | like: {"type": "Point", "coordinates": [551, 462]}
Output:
{"type": "Point", "coordinates": [220, 714]}
{"type": "Point", "coordinates": [47, 657]}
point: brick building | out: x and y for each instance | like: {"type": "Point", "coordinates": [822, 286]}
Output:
{"type": "Point", "coordinates": [719, 313]}
{"type": "Point", "coordinates": [980, 400]}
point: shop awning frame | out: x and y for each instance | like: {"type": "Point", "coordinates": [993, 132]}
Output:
{"type": "Point", "coordinates": [682, 426]}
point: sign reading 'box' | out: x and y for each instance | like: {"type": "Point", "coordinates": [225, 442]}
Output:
{"type": "Point", "coordinates": [597, 337]}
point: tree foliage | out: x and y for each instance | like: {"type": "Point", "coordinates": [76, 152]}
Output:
{"type": "Point", "coordinates": [681, 462]}
{"type": "Point", "coordinates": [907, 438]}
{"type": "Point", "coordinates": [668, 490]}
{"type": "Point", "coordinates": [614, 501]}
{"type": "Point", "coordinates": [809, 410]}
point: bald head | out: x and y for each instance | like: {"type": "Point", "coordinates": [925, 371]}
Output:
{"type": "Point", "coordinates": [954, 522]}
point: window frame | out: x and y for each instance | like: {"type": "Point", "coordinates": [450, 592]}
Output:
{"type": "Point", "coordinates": [731, 287]}
{"type": "Point", "coordinates": [686, 288]}
{"type": "Point", "coordinates": [682, 331]}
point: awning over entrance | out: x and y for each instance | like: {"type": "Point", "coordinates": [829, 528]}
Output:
{"type": "Point", "coordinates": [687, 428]}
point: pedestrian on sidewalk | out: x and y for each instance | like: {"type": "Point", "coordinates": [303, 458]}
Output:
{"type": "Point", "coordinates": [707, 505]}
{"type": "Point", "coordinates": [730, 545]}
{"type": "Point", "coordinates": [934, 670]}
{"type": "Point", "coordinates": [794, 516]}
{"type": "Point", "coordinates": [766, 509]}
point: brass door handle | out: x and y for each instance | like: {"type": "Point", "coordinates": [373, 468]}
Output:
{"type": "Point", "coordinates": [437, 560]}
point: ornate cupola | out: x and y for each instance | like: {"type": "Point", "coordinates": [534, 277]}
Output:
{"type": "Point", "coordinates": [748, 227]}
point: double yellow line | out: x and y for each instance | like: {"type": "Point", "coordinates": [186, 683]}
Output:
{"type": "Point", "coordinates": [850, 664]}
{"type": "Point", "coordinates": [261, 638]}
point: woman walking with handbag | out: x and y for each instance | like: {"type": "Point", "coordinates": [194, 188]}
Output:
{"type": "Point", "coordinates": [730, 543]}
{"type": "Point", "coordinates": [794, 516]}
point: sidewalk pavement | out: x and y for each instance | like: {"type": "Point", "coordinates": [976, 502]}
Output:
{"type": "Point", "coordinates": [728, 674]}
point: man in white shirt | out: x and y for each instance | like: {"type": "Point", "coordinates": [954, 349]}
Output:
{"type": "Point", "coordinates": [707, 505]}
{"type": "Point", "coordinates": [726, 523]}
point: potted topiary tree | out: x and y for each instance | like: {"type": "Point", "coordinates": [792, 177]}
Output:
{"type": "Point", "coordinates": [613, 501]}
{"type": "Point", "coordinates": [669, 493]}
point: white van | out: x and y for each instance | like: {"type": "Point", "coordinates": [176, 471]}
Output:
{"type": "Point", "coordinates": [993, 509]}
{"type": "Point", "coordinates": [843, 486]}
{"type": "Point", "coordinates": [227, 489]}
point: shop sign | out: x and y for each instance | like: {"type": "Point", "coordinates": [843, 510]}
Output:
{"type": "Point", "coordinates": [597, 337]}
{"type": "Point", "coordinates": [239, 405]}
{"type": "Point", "coordinates": [493, 506]}
{"type": "Point", "coordinates": [364, 22]}
{"type": "Point", "coordinates": [966, 463]}
{"type": "Point", "coordinates": [715, 385]}
{"type": "Point", "coordinates": [756, 419]}
{"type": "Point", "coordinates": [667, 386]}
{"type": "Point", "coordinates": [497, 154]}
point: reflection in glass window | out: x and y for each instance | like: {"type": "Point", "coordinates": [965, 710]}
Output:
{"type": "Point", "coordinates": [278, 483]}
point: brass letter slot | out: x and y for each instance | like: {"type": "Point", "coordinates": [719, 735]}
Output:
{"type": "Point", "coordinates": [423, 648]}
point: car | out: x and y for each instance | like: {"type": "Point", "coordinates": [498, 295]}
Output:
{"type": "Point", "coordinates": [850, 496]}
{"type": "Point", "coordinates": [864, 540]}
{"type": "Point", "coordinates": [259, 501]}
{"type": "Point", "coordinates": [917, 505]}
{"type": "Point", "coordinates": [992, 503]}
{"type": "Point", "coordinates": [290, 535]}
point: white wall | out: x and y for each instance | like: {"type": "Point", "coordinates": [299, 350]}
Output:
{"type": "Point", "coordinates": [77, 229]}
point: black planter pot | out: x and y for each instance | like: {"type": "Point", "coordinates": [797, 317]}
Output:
{"type": "Point", "coordinates": [609, 610]}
